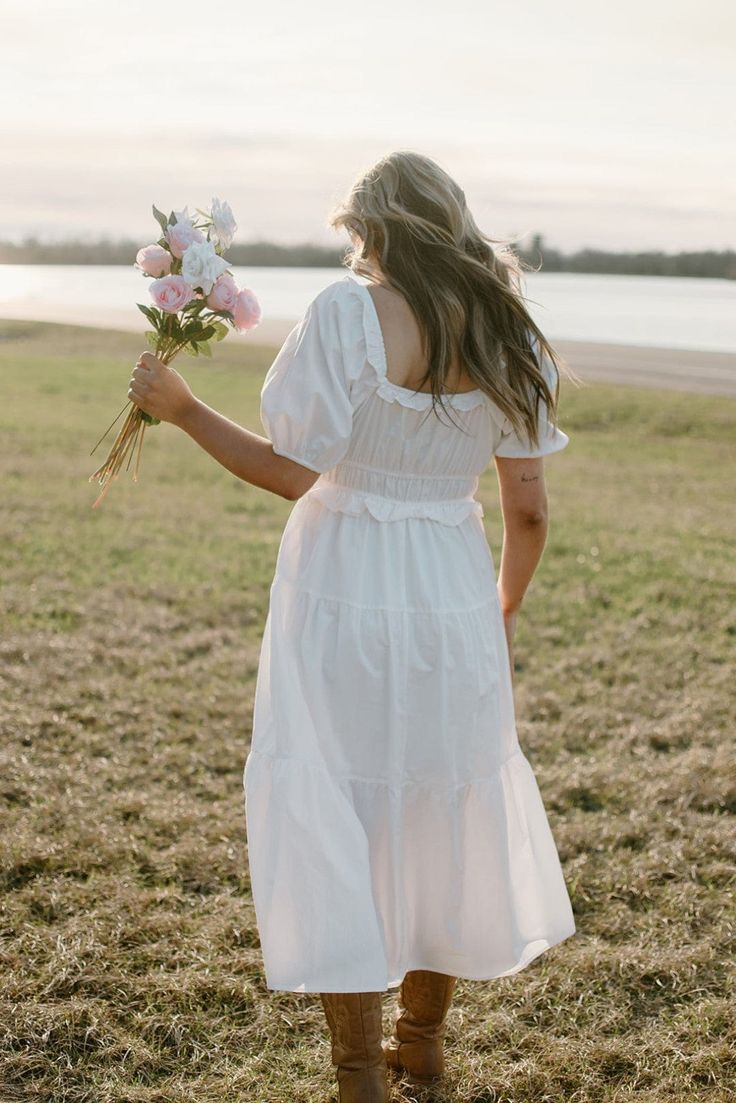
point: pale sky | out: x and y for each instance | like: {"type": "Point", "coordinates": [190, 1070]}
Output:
{"type": "Point", "coordinates": [594, 124]}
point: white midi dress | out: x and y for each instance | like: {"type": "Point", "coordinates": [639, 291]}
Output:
{"type": "Point", "coordinates": [393, 821]}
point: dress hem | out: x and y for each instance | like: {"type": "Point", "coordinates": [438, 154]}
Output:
{"type": "Point", "coordinates": [450, 968]}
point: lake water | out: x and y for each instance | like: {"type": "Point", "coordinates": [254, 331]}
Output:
{"type": "Point", "coordinates": [633, 310]}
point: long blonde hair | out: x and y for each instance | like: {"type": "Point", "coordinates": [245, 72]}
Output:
{"type": "Point", "coordinates": [411, 219]}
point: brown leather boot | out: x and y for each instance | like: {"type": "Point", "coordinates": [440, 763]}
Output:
{"type": "Point", "coordinates": [355, 1022]}
{"type": "Point", "coordinates": [416, 1044]}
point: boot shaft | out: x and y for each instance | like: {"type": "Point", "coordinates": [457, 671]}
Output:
{"type": "Point", "coordinates": [416, 1045]}
{"type": "Point", "coordinates": [424, 999]}
{"type": "Point", "coordinates": [356, 1027]}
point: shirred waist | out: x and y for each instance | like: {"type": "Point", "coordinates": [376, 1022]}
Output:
{"type": "Point", "coordinates": [399, 486]}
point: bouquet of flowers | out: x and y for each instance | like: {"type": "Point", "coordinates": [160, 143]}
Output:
{"type": "Point", "coordinates": [195, 298]}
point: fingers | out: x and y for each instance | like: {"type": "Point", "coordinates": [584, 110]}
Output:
{"type": "Point", "coordinates": [139, 385]}
{"type": "Point", "coordinates": [147, 361]}
{"type": "Point", "coordinates": [140, 378]}
{"type": "Point", "coordinates": [140, 400]}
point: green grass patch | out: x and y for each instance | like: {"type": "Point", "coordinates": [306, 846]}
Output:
{"type": "Point", "coordinates": [132, 968]}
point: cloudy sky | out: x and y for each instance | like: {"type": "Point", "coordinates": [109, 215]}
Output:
{"type": "Point", "coordinates": [594, 124]}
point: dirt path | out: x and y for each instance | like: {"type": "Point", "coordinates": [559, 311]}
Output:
{"type": "Point", "coordinates": [671, 369]}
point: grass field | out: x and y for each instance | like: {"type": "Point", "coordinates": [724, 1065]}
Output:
{"type": "Point", "coordinates": [131, 966]}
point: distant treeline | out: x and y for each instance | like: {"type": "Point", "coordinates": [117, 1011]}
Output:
{"type": "Point", "coordinates": [259, 254]}
{"type": "Point", "coordinates": [708, 263]}
{"type": "Point", "coordinates": [267, 254]}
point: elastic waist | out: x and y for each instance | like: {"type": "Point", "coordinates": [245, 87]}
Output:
{"type": "Point", "coordinates": [400, 486]}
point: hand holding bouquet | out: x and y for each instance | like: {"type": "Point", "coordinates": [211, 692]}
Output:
{"type": "Point", "coordinates": [195, 298]}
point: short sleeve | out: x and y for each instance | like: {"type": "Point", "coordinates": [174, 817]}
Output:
{"type": "Point", "coordinates": [309, 393]}
{"type": "Point", "coordinates": [551, 439]}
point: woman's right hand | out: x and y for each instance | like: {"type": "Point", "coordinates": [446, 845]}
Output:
{"type": "Point", "coordinates": [159, 390]}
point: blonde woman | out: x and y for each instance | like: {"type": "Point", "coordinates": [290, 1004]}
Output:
{"type": "Point", "coordinates": [396, 833]}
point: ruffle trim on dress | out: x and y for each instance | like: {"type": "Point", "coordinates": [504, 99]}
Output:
{"type": "Point", "coordinates": [418, 400]}
{"type": "Point", "coordinates": [376, 355]}
{"type": "Point", "coordinates": [375, 350]}
{"type": "Point", "coordinates": [354, 502]}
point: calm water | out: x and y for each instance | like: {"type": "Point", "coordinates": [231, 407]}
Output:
{"type": "Point", "coordinates": [633, 310]}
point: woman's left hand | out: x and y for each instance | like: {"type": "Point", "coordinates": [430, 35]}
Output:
{"type": "Point", "coordinates": [159, 390]}
{"type": "Point", "coordinates": [509, 625]}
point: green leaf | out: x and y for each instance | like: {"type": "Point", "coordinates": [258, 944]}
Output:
{"type": "Point", "coordinates": [205, 348]}
{"type": "Point", "coordinates": [220, 330]}
{"type": "Point", "coordinates": [195, 307]}
{"type": "Point", "coordinates": [150, 418]}
{"type": "Point", "coordinates": [172, 219]}
{"type": "Point", "coordinates": [160, 218]}
{"type": "Point", "coordinates": [150, 313]}
{"type": "Point", "coordinates": [192, 330]}
{"type": "Point", "coordinates": [208, 332]}
{"type": "Point", "coordinates": [152, 338]}
{"type": "Point", "coordinates": [192, 349]}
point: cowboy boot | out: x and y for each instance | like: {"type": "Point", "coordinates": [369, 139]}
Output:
{"type": "Point", "coordinates": [416, 1044]}
{"type": "Point", "coordinates": [355, 1022]}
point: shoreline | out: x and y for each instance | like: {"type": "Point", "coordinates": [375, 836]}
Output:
{"type": "Point", "coordinates": [693, 370]}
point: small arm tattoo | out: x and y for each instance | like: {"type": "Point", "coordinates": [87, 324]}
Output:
{"type": "Point", "coordinates": [530, 478]}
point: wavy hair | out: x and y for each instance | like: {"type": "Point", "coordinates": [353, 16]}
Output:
{"type": "Point", "coordinates": [415, 232]}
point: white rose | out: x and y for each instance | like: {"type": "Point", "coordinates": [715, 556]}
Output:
{"type": "Point", "coordinates": [200, 265]}
{"type": "Point", "coordinates": [183, 216]}
{"type": "Point", "coordinates": [223, 223]}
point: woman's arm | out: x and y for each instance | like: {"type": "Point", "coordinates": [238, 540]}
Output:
{"type": "Point", "coordinates": [525, 524]}
{"type": "Point", "coordinates": [159, 390]}
{"type": "Point", "coordinates": [246, 454]}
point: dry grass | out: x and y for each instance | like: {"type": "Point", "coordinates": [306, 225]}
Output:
{"type": "Point", "coordinates": [131, 634]}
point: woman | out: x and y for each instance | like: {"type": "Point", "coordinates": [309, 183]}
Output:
{"type": "Point", "coordinates": [396, 833]}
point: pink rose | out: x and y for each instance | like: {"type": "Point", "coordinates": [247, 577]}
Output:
{"type": "Point", "coordinates": [223, 295]}
{"type": "Point", "coordinates": [154, 260]}
{"type": "Point", "coordinates": [247, 310]}
{"type": "Point", "coordinates": [181, 235]}
{"type": "Point", "coordinates": [172, 293]}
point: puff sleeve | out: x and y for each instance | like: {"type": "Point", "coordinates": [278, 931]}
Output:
{"type": "Point", "coordinates": [309, 392]}
{"type": "Point", "coordinates": [551, 439]}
